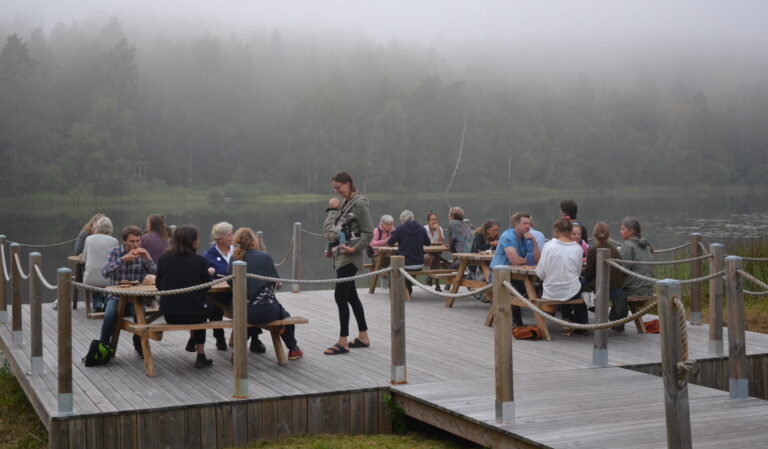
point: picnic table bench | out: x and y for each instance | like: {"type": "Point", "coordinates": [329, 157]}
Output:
{"type": "Point", "coordinates": [147, 330]}
{"type": "Point", "coordinates": [387, 251]}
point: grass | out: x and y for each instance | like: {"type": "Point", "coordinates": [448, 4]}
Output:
{"type": "Point", "coordinates": [20, 428]}
{"type": "Point", "coordinates": [410, 441]}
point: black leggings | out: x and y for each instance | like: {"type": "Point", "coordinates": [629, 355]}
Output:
{"type": "Point", "coordinates": [198, 336]}
{"type": "Point", "coordinates": [217, 314]}
{"type": "Point", "coordinates": [346, 295]}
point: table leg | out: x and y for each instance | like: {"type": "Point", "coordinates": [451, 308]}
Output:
{"type": "Point", "coordinates": [457, 281]}
{"type": "Point", "coordinates": [541, 322]}
{"type": "Point", "coordinates": [375, 279]}
{"type": "Point", "coordinates": [119, 321]}
{"type": "Point", "coordinates": [149, 366]}
{"type": "Point", "coordinates": [79, 272]}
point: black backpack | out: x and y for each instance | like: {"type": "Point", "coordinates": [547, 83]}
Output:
{"type": "Point", "coordinates": [98, 354]}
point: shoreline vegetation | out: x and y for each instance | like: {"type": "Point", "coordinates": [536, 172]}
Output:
{"type": "Point", "coordinates": [158, 194]}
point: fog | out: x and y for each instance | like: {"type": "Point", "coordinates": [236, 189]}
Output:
{"type": "Point", "coordinates": [543, 93]}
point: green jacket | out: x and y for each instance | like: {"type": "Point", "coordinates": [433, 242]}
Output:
{"type": "Point", "coordinates": [637, 249]}
{"type": "Point", "coordinates": [358, 221]}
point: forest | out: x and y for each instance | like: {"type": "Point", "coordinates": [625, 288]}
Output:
{"type": "Point", "coordinates": [99, 107]}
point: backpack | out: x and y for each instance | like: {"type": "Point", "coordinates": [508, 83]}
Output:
{"type": "Point", "coordinates": [527, 333]}
{"type": "Point", "coordinates": [98, 354]}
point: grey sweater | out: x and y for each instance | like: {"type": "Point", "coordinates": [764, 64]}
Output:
{"type": "Point", "coordinates": [96, 248]}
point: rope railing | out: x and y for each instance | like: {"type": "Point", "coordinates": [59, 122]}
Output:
{"type": "Point", "coordinates": [318, 281]}
{"type": "Point", "coordinates": [178, 291]}
{"type": "Point", "coordinates": [685, 365]}
{"type": "Point", "coordinates": [596, 326]}
{"type": "Point", "coordinates": [427, 289]}
{"type": "Point", "coordinates": [703, 248]}
{"type": "Point", "coordinates": [612, 262]}
{"type": "Point", "coordinates": [287, 255]}
{"type": "Point", "coordinates": [661, 262]}
{"type": "Point", "coordinates": [755, 281]}
{"type": "Point", "coordinates": [42, 279]}
{"type": "Point", "coordinates": [51, 245]}
{"type": "Point", "coordinates": [320, 236]}
{"type": "Point", "coordinates": [5, 273]}
{"type": "Point", "coordinates": [755, 259]}
{"type": "Point", "coordinates": [669, 250]}
{"type": "Point", "coordinates": [23, 275]}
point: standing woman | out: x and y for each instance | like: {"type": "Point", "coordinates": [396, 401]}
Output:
{"type": "Point", "coordinates": [354, 221]}
{"type": "Point", "coordinates": [156, 240]}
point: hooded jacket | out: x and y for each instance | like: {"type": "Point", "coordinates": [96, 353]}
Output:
{"type": "Point", "coordinates": [637, 249]}
{"type": "Point", "coordinates": [357, 220]}
{"type": "Point", "coordinates": [410, 238]}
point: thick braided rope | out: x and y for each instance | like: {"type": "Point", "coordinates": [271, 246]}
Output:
{"type": "Point", "coordinates": [750, 292]}
{"type": "Point", "coordinates": [320, 236]}
{"type": "Point", "coordinates": [596, 326]}
{"type": "Point", "coordinates": [755, 259]}
{"type": "Point", "coordinates": [318, 281]}
{"type": "Point", "coordinates": [290, 250]}
{"type": "Point", "coordinates": [701, 279]}
{"type": "Point", "coordinates": [661, 262]}
{"type": "Point", "coordinates": [52, 245]}
{"type": "Point", "coordinates": [755, 281]}
{"type": "Point", "coordinates": [612, 263]}
{"type": "Point", "coordinates": [684, 365]}
{"type": "Point", "coordinates": [443, 294]}
{"type": "Point", "coordinates": [669, 250]}
{"type": "Point", "coordinates": [18, 266]}
{"type": "Point", "coordinates": [178, 291]}
{"type": "Point", "coordinates": [45, 283]}
{"type": "Point", "coordinates": [5, 264]}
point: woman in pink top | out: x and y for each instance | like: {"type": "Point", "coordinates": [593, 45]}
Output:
{"type": "Point", "coordinates": [576, 237]}
{"type": "Point", "coordinates": [382, 233]}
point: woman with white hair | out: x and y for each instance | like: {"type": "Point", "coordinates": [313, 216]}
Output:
{"type": "Point", "coordinates": [382, 233]}
{"type": "Point", "coordinates": [95, 249]}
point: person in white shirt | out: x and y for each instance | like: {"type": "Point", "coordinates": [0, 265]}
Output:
{"type": "Point", "coordinates": [560, 267]}
{"type": "Point", "coordinates": [95, 250]}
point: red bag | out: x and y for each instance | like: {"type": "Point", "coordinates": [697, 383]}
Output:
{"type": "Point", "coordinates": [527, 333]}
{"type": "Point", "coordinates": [651, 327]}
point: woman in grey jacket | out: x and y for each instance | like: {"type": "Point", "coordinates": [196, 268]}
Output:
{"type": "Point", "coordinates": [352, 224]}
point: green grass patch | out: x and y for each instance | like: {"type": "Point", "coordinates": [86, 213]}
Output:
{"type": "Point", "coordinates": [20, 428]}
{"type": "Point", "coordinates": [409, 441]}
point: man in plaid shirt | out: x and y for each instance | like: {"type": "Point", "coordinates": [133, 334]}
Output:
{"type": "Point", "coordinates": [129, 262]}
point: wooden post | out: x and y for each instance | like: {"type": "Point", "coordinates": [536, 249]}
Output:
{"type": "Point", "coordinates": [695, 317]}
{"type": "Point", "coordinates": [260, 238]}
{"type": "Point", "coordinates": [16, 336]}
{"type": "Point", "coordinates": [36, 313]}
{"type": "Point", "coordinates": [239, 315]}
{"type": "Point", "coordinates": [738, 384]}
{"type": "Point", "coordinates": [716, 300]}
{"type": "Point", "coordinates": [602, 295]}
{"type": "Point", "coordinates": [502, 337]}
{"type": "Point", "coordinates": [676, 407]}
{"type": "Point", "coordinates": [296, 272]}
{"type": "Point", "coordinates": [64, 276]}
{"type": "Point", "coordinates": [398, 373]}
{"type": "Point", "coordinates": [3, 270]}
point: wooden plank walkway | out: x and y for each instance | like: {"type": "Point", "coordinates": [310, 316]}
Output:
{"type": "Point", "coordinates": [445, 348]}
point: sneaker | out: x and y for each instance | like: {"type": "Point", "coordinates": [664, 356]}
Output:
{"type": "Point", "coordinates": [190, 347]}
{"type": "Point", "coordinates": [137, 346]}
{"type": "Point", "coordinates": [294, 354]}
{"type": "Point", "coordinates": [202, 361]}
{"type": "Point", "coordinates": [437, 288]}
{"type": "Point", "coordinates": [55, 305]}
{"type": "Point", "coordinates": [257, 346]}
{"type": "Point", "coordinates": [221, 344]}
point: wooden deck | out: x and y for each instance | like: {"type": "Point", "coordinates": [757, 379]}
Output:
{"type": "Point", "coordinates": [561, 399]}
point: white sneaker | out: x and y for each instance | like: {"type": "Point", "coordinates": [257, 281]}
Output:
{"type": "Point", "coordinates": [55, 305]}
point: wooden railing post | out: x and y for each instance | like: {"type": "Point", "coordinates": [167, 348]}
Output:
{"type": "Point", "coordinates": [696, 270]}
{"type": "Point", "coordinates": [16, 336]}
{"type": "Point", "coordinates": [296, 272]}
{"type": "Point", "coordinates": [602, 295]}
{"type": "Point", "coordinates": [239, 315]}
{"type": "Point", "coordinates": [36, 313]}
{"type": "Point", "coordinates": [716, 300]}
{"type": "Point", "coordinates": [502, 337]}
{"type": "Point", "coordinates": [399, 374]}
{"type": "Point", "coordinates": [3, 270]}
{"type": "Point", "coordinates": [260, 238]}
{"type": "Point", "coordinates": [676, 405]}
{"type": "Point", "coordinates": [738, 384]}
{"type": "Point", "coordinates": [65, 401]}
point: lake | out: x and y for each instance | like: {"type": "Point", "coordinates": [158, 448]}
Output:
{"type": "Point", "coordinates": [666, 221]}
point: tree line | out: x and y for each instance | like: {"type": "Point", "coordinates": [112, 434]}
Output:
{"type": "Point", "coordinates": [93, 110]}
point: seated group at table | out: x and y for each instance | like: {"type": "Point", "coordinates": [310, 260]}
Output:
{"type": "Point", "coordinates": [176, 264]}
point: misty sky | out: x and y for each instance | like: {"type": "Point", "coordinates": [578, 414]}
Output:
{"type": "Point", "coordinates": [428, 20]}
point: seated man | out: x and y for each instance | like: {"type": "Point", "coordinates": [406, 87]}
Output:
{"type": "Point", "coordinates": [128, 262]}
{"type": "Point", "coordinates": [514, 247]}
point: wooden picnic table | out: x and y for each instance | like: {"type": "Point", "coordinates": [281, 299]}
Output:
{"type": "Point", "coordinates": [78, 262]}
{"type": "Point", "coordinates": [482, 260]}
{"type": "Point", "coordinates": [387, 251]}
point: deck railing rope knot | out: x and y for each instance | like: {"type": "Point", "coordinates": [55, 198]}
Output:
{"type": "Point", "coordinates": [178, 291]}
{"type": "Point", "coordinates": [595, 326]}
{"type": "Point", "coordinates": [23, 275]}
{"type": "Point", "coordinates": [318, 281]}
{"type": "Point", "coordinates": [5, 264]}
{"type": "Point", "coordinates": [429, 290]}
{"type": "Point", "coordinates": [669, 250]}
{"type": "Point", "coordinates": [42, 279]}
{"type": "Point", "coordinates": [755, 281]}
{"type": "Point", "coordinates": [50, 245]}
{"type": "Point", "coordinates": [685, 365]}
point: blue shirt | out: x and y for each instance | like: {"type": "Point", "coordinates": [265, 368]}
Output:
{"type": "Point", "coordinates": [540, 239]}
{"type": "Point", "coordinates": [508, 238]}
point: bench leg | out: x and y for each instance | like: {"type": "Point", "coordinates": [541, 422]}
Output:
{"type": "Point", "coordinates": [282, 359]}
{"type": "Point", "coordinates": [634, 307]}
{"type": "Point", "coordinates": [457, 281]}
{"type": "Point", "coordinates": [149, 366]}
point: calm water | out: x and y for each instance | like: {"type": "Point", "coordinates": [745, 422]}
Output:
{"type": "Point", "coordinates": [666, 221]}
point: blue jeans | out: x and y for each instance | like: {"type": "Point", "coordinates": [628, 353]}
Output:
{"type": "Point", "coordinates": [110, 318]}
{"type": "Point", "coordinates": [97, 301]}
